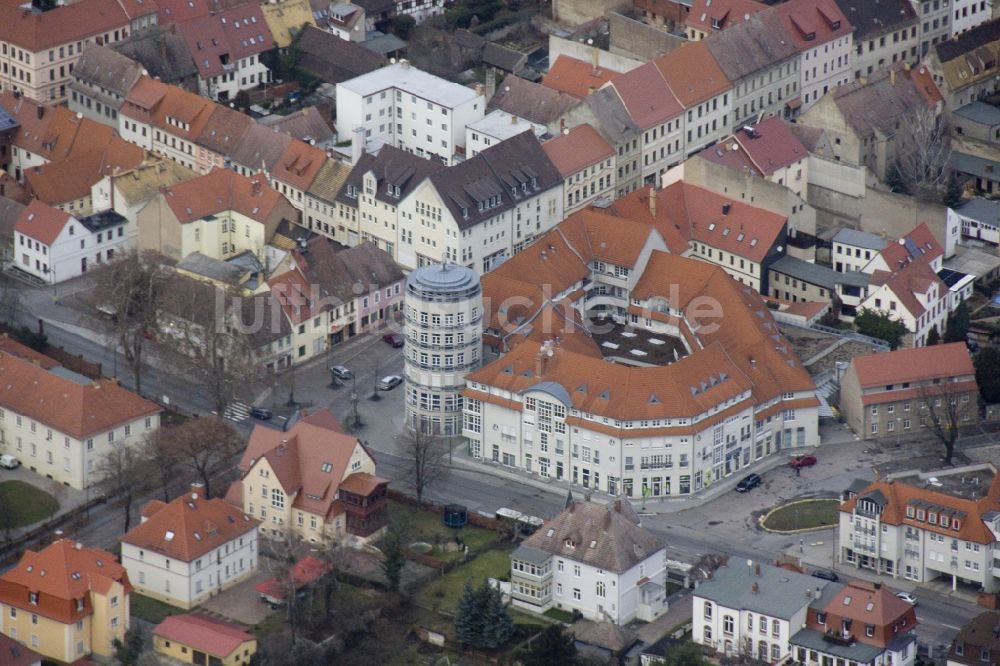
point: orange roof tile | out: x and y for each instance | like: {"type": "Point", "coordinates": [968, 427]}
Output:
{"type": "Point", "coordinates": [66, 405]}
{"type": "Point", "coordinates": [713, 15]}
{"type": "Point", "coordinates": [693, 74]}
{"type": "Point", "coordinates": [362, 483]}
{"type": "Point", "coordinates": [203, 633]}
{"type": "Point", "coordinates": [575, 77]}
{"type": "Point", "coordinates": [222, 190]}
{"type": "Point", "coordinates": [863, 602]}
{"type": "Point", "coordinates": [646, 96]}
{"type": "Point", "coordinates": [919, 364]}
{"type": "Point", "coordinates": [299, 165]}
{"type": "Point", "coordinates": [72, 178]}
{"type": "Point", "coordinates": [817, 17]}
{"type": "Point", "coordinates": [190, 526]}
{"type": "Point", "coordinates": [577, 149]}
{"type": "Point", "coordinates": [42, 222]}
{"type": "Point", "coordinates": [11, 346]}
{"type": "Point", "coordinates": [75, 22]}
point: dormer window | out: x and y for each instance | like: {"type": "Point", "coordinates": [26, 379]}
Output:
{"type": "Point", "coordinates": [33, 598]}
{"type": "Point", "coordinates": [570, 544]}
{"type": "Point", "coordinates": [810, 36]}
{"type": "Point", "coordinates": [465, 213]}
{"type": "Point", "coordinates": [326, 468]}
{"type": "Point", "coordinates": [716, 24]}
{"type": "Point", "coordinates": [920, 514]}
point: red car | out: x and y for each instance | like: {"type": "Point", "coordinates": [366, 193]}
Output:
{"type": "Point", "coordinates": [798, 462]}
{"type": "Point", "coordinates": [393, 339]}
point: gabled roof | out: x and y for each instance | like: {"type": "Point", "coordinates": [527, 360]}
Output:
{"type": "Point", "coordinates": [871, 19]}
{"type": "Point", "coordinates": [142, 183]}
{"type": "Point", "coordinates": [693, 74]}
{"type": "Point", "coordinates": [577, 149]}
{"type": "Point", "coordinates": [862, 239]}
{"type": "Point", "coordinates": [224, 130]}
{"type": "Point", "coordinates": [305, 124]}
{"type": "Point", "coordinates": [72, 178]}
{"type": "Point", "coordinates": [261, 148]}
{"type": "Point", "coordinates": [298, 165]}
{"type": "Point", "coordinates": [53, 133]}
{"type": "Point", "coordinates": [286, 20]}
{"type": "Point", "coordinates": [532, 101]}
{"type": "Point", "coordinates": [613, 120]}
{"type": "Point", "coordinates": [348, 273]}
{"type": "Point", "coordinates": [810, 23]}
{"type": "Point", "coordinates": [606, 537]}
{"type": "Point", "coordinates": [36, 31]}
{"type": "Point", "coordinates": [106, 68]}
{"type": "Point", "coordinates": [906, 283]}
{"type": "Point", "coordinates": [42, 222]}
{"type": "Point", "coordinates": [715, 15]}
{"type": "Point", "coordinates": [978, 635]}
{"type": "Point", "coordinates": [919, 364]}
{"type": "Point", "coordinates": [578, 78]}
{"type": "Point", "coordinates": [763, 148]}
{"type": "Point", "coordinates": [646, 96]}
{"type": "Point", "coordinates": [919, 245]}
{"type": "Point", "coordinates": [219, 40]}
{"type": "Point", "coordinates": [329, 181]}
{"type": "Point", "coordinates": [163, 53]}
{"type": "Point", "coordinates": [10, 212]}
{"type": "Point", "coordinates": [867, 603]}
{"type": "Point", "coordinates": [190, 526]}
{"type": "Point", "coordinates": [969, 41]}
{"type": "Point", "coordinates": [503, 58]}
{"type": "Point", "coordinates": [203, 633]}
{"type": "Point", "coordinates": [178, 11]}
{"type": "Point", "coordinates": [219, 191]}
{"type": "Point", "coordinates": [334, 60]}
{"type": "Point", "coordinates": [883, 103]}
{"type": "Point", "coordinates": [13, 653]}
{"type": "Point", "coordinates": [747, 48]}
{"type": "Point", "coordinates": [760, 588]}
{"type": "Point", "coordinates": [391, 166]}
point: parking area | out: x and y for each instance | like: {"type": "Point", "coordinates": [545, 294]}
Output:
{"type": "Point", "coordinates": [241, 603]}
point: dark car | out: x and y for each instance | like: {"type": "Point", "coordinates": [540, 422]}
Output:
{"type": "Point", "coordinates": [798, 462]}
{"type": "Point", "coordinates": [826, 574]}
{"type": "Point", "coordinates": [262, 413]}
{"type": "Point", "coordinates": [393, 339]}
{"type": "Point", "coordinates": [748, 483]}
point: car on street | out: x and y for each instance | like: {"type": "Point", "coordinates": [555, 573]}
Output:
{"type": "Point", "coordinates": [907, 597]}
{"type": "Point", "coordinates": [826, 574]}
{"type": "Point", "coordinates": [262, 413]}
{"type": "Point", "coordinates": [9, 462]}
{"type": "Point", "coordinates": [798, 462]}
{"type": "Point", "coordinates": [389, 382]}
{"type": "Point", "coordinates": [341, 372]}
{"type": "Point", "coordinates": [748, 483]}
{"type": "Point", "coordinates": [393, 339]}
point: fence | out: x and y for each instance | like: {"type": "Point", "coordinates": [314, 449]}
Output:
{"type": "Point", "coordinates": [881, 345]}
{"type": "Point", "coordinates": [43, 534]}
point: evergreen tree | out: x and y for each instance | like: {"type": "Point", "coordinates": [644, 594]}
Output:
{"type": "Point", "coordinates": [881, 326]}
{"type": "Point", "coordinates": [933, 337]}
{"type": "Point", "coordinates": [957, 327]}
{"type": "Point", "coordinates": [469, 616]}
{"type": "Point", "coordinates": [392, 564]}
{"type": "Point", "coordinates": [988, 374]}
{"type": "Point", "coordinates": [497, 625]}
{"type": "Point", "coordinates": [552, 646]}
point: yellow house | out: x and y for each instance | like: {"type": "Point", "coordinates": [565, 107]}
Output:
{"type": "Point", "coordinates": [197, 639]}
{"type": "Point", "coordinates": [66, 601]}
{"type": "Point", "coordinates": [286, 19]}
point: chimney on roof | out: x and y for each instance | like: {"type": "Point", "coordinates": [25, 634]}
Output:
{"type": "Point", "coordinates": [59, 534]}
{"type": "Point", "coordinates": [256, 187]}
{"type": "Point", "coordinates": [726, 207]}
{"type": "Point", "coordinates": [357, 145]}
{"type": "Point", "coordinates": [892, 77]}
{"type": "Point", "coordinates": [513, 119]}
{"type": "Point", "coordinates": [78, 545]}
{"type": "Point", "coordinates": [196, 489]}
{"type": "Point", "coordinates": [652, 202]}
{"type": "Point", "coordinates": [562, 125]}
{"type": "Point", "coordinates": [753, 362]}
{"type": "Point", "coordinates": [595, 58]}
{"type": "Point", "coordinates": [755, 588]}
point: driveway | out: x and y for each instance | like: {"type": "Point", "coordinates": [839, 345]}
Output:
{"type": "Point", "coordinates": [241, 603]}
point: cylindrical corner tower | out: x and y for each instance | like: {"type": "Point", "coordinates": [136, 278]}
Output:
{"type": "Point", "coordinates": [444, 328]}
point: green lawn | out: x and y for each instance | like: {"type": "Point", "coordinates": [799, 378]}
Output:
{"type": "Point", "coordinates": [427, 526]}
{"type": "Point", "coordinates": [559, 614]}
{"type": "Point", "coordinates": [152, 610]}
{"type": "Point", "coordinates": [25, 504]}
{"type": "Point", "coordinates": [803, 515]}
{"type": "Point", "coordinates": [443, 593]}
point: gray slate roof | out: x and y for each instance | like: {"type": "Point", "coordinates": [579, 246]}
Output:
{"type": "Point", "coordinates": [504, 58]}
{"type": "Point", "coordinates": [10, 211]}
{"type": "Point", "coordinates": [338, 271]}
{"type": "Point", "coordinates": [871, 19]}
{"type": "Point", "coordinates": [393, 166]}
{"type": "Point", "coordinates": [334, 60]}
{"type": "Point", "coordinates": [608, 537]}
{"type": "Point", "coordinates": [780, 593]}
{"type": "Point", "coordinates": [532, 555]}
{"type": "Point", "coordinates": [975, 165]}
{"type": "Point", "coordinates": [814, 640]}
{"type": "Point", "coordinates": [880, 104]}
{"type": "Point", "coordinates": [750, 46]}
{"type": "Point", "coordinates": [305, 124]}
{"type": "Point", "coordinates": [970, 40]}
{"type": "Point", "coordinates": [821, 276]}
{"type": "Point", "coordinates": [164, 54]}
{"type": "Point", "coordinates": [983, 210]}
{"type": "Point", "coordinates": [979, 112]}
{"type": "Point", "coordinates": [225, 130]}
{"type": "Point", "coordinates": [613, 120]}
{"type": "Point", "coordinates": [383, 44]}
{"type": "Point", "coordinates": [107, 68]}
{"type": "Point", "coordinates": [862, 239]}
{"type": "Point", "coordinates": [210, 267]}
{"type": "Point", "coordinates": [532, 101]}
{"type": "Point", "coordinates": [260, 146]}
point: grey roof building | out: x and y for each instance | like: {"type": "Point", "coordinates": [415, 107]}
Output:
{"type": "Point", "coordinates": [334, 60]}
{"type": "Point", "coordinates": [260, 149]}
{"type": "Point", "coordinates": [532, 101]}
{"type": "Point", "coordinates": [981, 210]}
{"type": "Point", "coordinates": [393, 168]}
{"type": "Point", "coordinates": [103, 75]}
{"type": "Point", "coordinates": [164, 54]}
{"type": "Point", "coordinates": [821, 276]}
{"type": "Point", "coordinates": [863, 239]}
{"type": "Point", "coordinates": [769, 590]}
{"type": "Point", "coordinates": [348, 274]}
{"type": "Point", "coordinates": [751, 46]}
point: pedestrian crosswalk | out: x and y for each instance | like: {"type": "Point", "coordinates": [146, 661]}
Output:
{"type": "Point", "coordinates": [237, 412]}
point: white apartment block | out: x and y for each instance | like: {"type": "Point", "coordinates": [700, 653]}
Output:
{"type": "Point", "coordinates": [935, 22]}
{"type": "Point", "coordinates": [495, 127]}
{"type": "Point", "coordinates": [408, 108]}
{"type": "Point", "coordinates": [968, 14]}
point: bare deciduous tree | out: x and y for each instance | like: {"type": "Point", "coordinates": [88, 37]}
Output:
{"type": "Point", "coordinates": [11, 300]}
{"type": "Point", "coordinates": [205, 446]}
{"type": "Point", "coordinates": [944, 408]}
{"type": "Point", "coordinates": [923, 152]}
{"type": "Point", "coordinates": [159, 453]}
{"type": "Point", "coordinates": [426, 454]}
{"type": "Point", "coordinates": [120, 472]}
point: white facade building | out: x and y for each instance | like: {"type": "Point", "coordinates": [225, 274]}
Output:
{"type": "Point", "coordinates": [495, 127]}
{"type": "Point", "coordinates": [967, 14]}
{"type": "Point", "coordinates": [410, 109]}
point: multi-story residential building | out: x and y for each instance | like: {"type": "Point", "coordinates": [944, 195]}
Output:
{"type": "Point", "coordinates": [977, 642]}
{"type": "Point", "coordinates": [347, 21]}
{"type": "Point", "coordinates": [595, 560]}
{"type": "Point", "coordinates": [980, 219]}
{"type": "Point", "coordinates": [710, 16]}
{"type": "Point", "coordinates": [969, 13]}
{"type": "Point", "coordinates": [196, 638]}
{"type": "Point", "coordinates": [861, 622]}
{"type": "Point", "coordinates": [101, 79]}
{"type": "Point", "coordinates": [188, 550]}
{"type": "Point", "coordinates": [580, 78]}
{"type": "Point", "coordinates": [964, 68]}
{"type": "Point", "coordinates": [80, 608]}
{"type": "Point", "coordinates": [657, 114]}
{"type": "Point", "coordinates": [753, 609]}
{"type": "Point", "coordinates": [222, 133]}
{"type": "Point", "coordinates": [494, 127]}
{"type": "Point", "coordinates": [220, 215]}
{"type": "Point", "coordinates": [322, 213]}
{"type": "Point", "coordinates": [924, 526]}
{"type": "Point", "coordinates": [795, 280]}
{"type": "Point", "coordinates": [295, 171]}
{"type": "Point", "coordinates": [853, 250]}
{"type": "Point", "coordinates": [127, 191]}
{"type": "Point", "coordinates": [482, 210]}
{"type": "Point", "coordinates": [935, 23]}
{"type": "Point", "coordinates": [610, 117]}
{"type": "Point", "coordinates": [570, 414]}
{"type": "Point", "coordinates": [52, 245]}
{"type": "Point", "coordinates": [823, 37]}
{"type": "Point", "coordinates": [164, 119]}
{"type": "Point", "coordinates": [768, 149]}
{"type": "Point", "coordinates": [885, 33]}
{"type": "Point", "coordinates": [409, 109]}
{"type": "Point", "coordinates": [901, 392]}
{"type": "Point", "coordinates": [61, 424]}
{"type": "Point", "coordinates": [699, 84]}
{"type": "Point", "coordinates": [863, 118]}
{"type": "Point", "coordinates": [762, 62]}
{"type": "Point", "coordinates": [40, 48]}
{"type": "Point", "coordinates": [587, 164]}
{"type": "Point", "coordinates": [311, 481]}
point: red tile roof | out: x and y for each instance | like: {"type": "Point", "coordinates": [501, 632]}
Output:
{"type": "Point", "coordinates": [10, 346]}
{"type": "Point", "coordinates": [13, 653]}
{"type": "Point", "coordinates": [42, 222]}
{"type": "Point", "coordinates": [906, 283]}
{"type": "Point", "coordinates": [817, 17]}
{"type": "Point", "coordinates": [299, 165]}
{"type": "Point", "coordinates": [866, 604]}
{"type": "Point", "coordinates": [768, 146]}
{"type": "Point", "coordinates": [919, 364]}
{"type": "Point", "coordinates": [76, 409]}
{"type": "Point", "coordinates": [72, 178]}
{"type": "Point", "coordinates": [646, 96]}
{"type": "Point", "coordinates": [575, 77]}
{"type": "Point", "coordinates": [923, 243]}
{"type": "Point", "coordinates": [362, 483]}
{"type": "Point", "coordinates": [577, 149]}
{"type": "Point", "coordinates": [75, 22]}
{"type": "Point", "coordinates": [693, 74]}
{"type": "Point", "coordinates": [203, 633]}
{"type": "Point", "coordinates": [307, 570]}
{"type": "Point", "coordinates": [232, 34]}
{"type": "Point", "coordinates": [713, 15]}
{"type": "Point", "coordinates": [61, 573]}
{"type": "Point", "coordinates": [222, 190]}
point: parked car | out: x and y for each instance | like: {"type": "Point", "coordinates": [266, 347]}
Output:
{"type": "Point", "coordinates": [826, 574]}
{"type": "Point", "coordinates": [798, 462]}
{"type": "Point", "coordinates": [748, 483]}
{"type": "Point", "coordinates": [389, 382]}
{"type": "Point", "coordinates": [8, 461]}
{"type": "Point", "coordinates": [262, 413]}
{"type": "Point", "coordinates": [907, 597]}
{"type": "Point", "coordinates": [393, 339]}
{"type": "Point", "coordinates": [341, 372]}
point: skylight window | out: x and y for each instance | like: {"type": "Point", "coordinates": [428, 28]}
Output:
{"type": "Point", "coordinates": [847, 601]}
{"type": "Point", "coordinates": [326, 467]}
{"type": "Point", "coordinates": [169, 536]}
{"type": "Point", "coordinates": [711, 226]}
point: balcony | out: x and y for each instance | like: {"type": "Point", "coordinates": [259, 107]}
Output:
{"type": "Point", "coordinates": [839, 638]}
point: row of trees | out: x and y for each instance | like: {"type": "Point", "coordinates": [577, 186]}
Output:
{"type": "Point", "coordinates": [881, 326]}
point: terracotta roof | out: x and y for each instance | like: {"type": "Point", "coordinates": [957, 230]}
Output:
{"type": "Point", "coordinates": [863, 602]}
{"type": "Point", "coordinates": [54, 133]}
{"type": "Point", "coordinates": [13, 653]}
{"type": "Point", "coordinates": [184, 10]}
{"type": "Point", "coordinates": [299, 165]}
{"type": "Point", "coordinates": [68, 403]}
{"type": "Point", "coordinates": [575, 77]}
{"type": "Point", "coordinates": [919, 364]}
{"type": "Point", "coordinates": [11, 346]}
{"type": "Point", "coordinates": [222, 190]}
{"type": "Point", "coordinates": [712, 15]}
{"type": "Point", "coordinates": [693, 74]}
{"type": "Point", "coordinates": [190, 526]}
{"type": "Point", "coordinates": [37, 31]}
{"type": "Point", "coordinates": [72, 178]}
{"type": "Point", "coordinates": [919, 245]}
{"type": "Point", "coordinates": [646, 96]}
{"type": "Point", "coordinates": [61, 573]}
{"type": "Point", "coordinates": [813, 17]}
{"type": "Point", "coordinates": [362, 483]}
{"type": "Point", "coordinates": [221, 39]}
{"type": "Point", "coordinates": [924, 81]}
{"type": "Point", "coordinates": [203, 633]}
{"type": "Point", "coordinates": [769, 145]}
{"type": "Point", "coordinates": [896, 495]}
{"type": "Point", "coordinates": [224, 130]}
{"type": "Point", "coordinates": [42, 222]}
{"type": "Point", "coordinates": [307, 570]}
{"type": "Point", "coordinates": [607, 537]}
{"type": "Point", "coordinates": [577, 149]}
{"type": "Point", "coordinates": [531, 101]}
{"type": "Point", "coordinates": [978, 635]}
